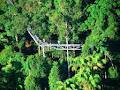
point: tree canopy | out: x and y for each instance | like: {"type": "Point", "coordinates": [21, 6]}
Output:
{"type": "Point", "coordinates": [92, 23]}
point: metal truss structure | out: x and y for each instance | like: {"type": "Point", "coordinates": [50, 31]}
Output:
{"type": "Point", "coordinates": [65, 47]}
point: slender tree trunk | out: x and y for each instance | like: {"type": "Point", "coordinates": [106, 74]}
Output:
{"type": "Point", "coordinates": [39, 50]}
{"type": "Point", "coordinates": [45, 88]}
{"type": "Point", "coordinates": [16, 38]}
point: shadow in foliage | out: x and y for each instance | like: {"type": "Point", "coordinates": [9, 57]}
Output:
{"type": "Point", "coordinates": [63, 70]}
{"type": "Point", "coordinates": [1, 47]}
{"type": "Point", "coordinates": [114, 46]}
{"type": "Point", "coordinates": [111, 83]}
{"type": "Point", "coordinates": [2, 11]}
{"type": "Point", "coordinates": [43, 83]}
{"type": "Point", "coordinates": [83, 35]}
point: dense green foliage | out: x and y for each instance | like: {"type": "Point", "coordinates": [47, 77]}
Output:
{"type": "Point", "coordinates": [54, 76]}
{"type": "Point", "coordinates": [94, 23]}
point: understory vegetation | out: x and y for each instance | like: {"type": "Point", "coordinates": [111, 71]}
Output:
{"type": "Point", "coordinates": [93, 23]}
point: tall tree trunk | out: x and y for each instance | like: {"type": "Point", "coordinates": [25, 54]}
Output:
{"type": "Point", "coordinates": [16, 38]}
{"type": "Point", "coordinates": [39, 50]}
